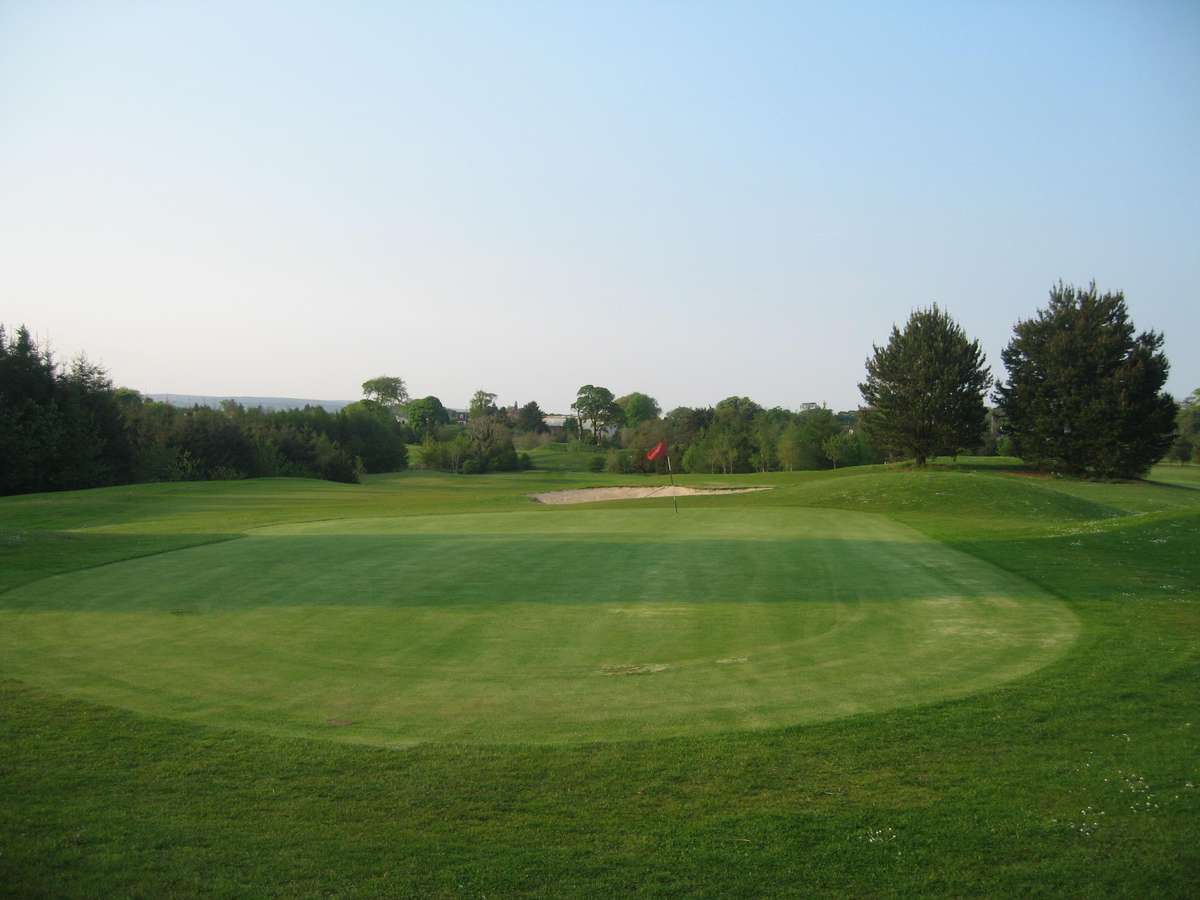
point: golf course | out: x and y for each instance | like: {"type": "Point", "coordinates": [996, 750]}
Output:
{"type": "Point", "coordinates": [628, 450]}
{"type": "Point", "coordinates": [968, 679]}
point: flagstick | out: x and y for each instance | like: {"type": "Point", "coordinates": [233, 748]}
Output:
{"type": "Point", "coordinates": [674, 499]}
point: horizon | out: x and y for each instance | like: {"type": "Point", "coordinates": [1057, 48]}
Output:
{"type": "Point", "coordinates": [165, 396]}
{"type": "Point", "coordinates": [693, 203]}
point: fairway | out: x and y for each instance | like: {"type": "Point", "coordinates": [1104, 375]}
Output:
{"type": "Point", "coordinates": [546, 626]}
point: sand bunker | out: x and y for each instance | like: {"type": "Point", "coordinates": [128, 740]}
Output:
{"type": "Point", "coordinates": [594, 495]}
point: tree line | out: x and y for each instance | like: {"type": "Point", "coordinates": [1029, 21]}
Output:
{"type": "Point", "coordinates": [1083, 396]}
{"type": "Point", "coordinates": [483, 444]}
{"type": "Point", "coordinates": [67, 427]}
{"type": "Point", "coordinates": [736, 435]}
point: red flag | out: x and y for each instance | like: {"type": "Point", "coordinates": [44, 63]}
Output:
{"type": "Point", "coordinates": [657, 451]}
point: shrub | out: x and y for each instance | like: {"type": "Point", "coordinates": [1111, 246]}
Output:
{"type": "Point", "coordinates": [617, 462]}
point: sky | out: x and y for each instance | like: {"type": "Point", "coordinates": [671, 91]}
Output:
{"type": "Point", "coordinates": [688, 199]}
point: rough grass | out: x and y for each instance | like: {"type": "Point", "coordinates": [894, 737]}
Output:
{"type": "Point", "coordinates": [1080, 778]}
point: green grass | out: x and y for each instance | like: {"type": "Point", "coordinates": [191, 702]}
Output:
{"type": "Point", "coordinates": [960, 681]}
{"type": "Point", "coordinates": [1187, 474]}
{"type": "Point", "coordinates": [557, 457]}
{"type": "Point", "coordinates": [524, 627]}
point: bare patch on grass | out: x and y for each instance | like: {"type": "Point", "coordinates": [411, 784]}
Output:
{"type": "Point", "coordinates": [640, 669]}
{"type": "Point", "coordinates": [648, 611]}
{"type": "Point", "coordinates": [948, 603]}
{"type": "Point", "coordinates": [964, 630]}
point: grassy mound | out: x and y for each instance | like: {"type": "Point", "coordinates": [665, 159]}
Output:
{"type": "Point", "coordinates": [992, 501]}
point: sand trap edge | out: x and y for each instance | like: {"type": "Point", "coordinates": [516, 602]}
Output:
{"type": "Point", "coordinates": [599, 494]}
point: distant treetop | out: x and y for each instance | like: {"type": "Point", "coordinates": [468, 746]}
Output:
{"type": "Point", "coordinates": [386, 389]}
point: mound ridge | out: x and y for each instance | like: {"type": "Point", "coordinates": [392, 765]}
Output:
{"type": "Point", "coordinates": [1001, 499]}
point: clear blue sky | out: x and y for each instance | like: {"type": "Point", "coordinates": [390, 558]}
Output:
{"type": "Point", "coordinates": [692, 200]}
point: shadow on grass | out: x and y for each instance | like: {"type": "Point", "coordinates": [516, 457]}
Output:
{"type": "Point", "coordinates": [28, 555]}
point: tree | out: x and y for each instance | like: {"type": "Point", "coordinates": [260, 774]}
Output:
{"type": "Point", "coordinates": [731, 436]}
{"type": "Point", "coordinates": [766, 438]}
{"type": "Point", "coordinates": [218, 443]}
{"type": "Point", "coordinates": [638, 408]}
{"type": "Point", "coordinates": [790, 447]}
{"type": "Point", "coordinates": [1187, 423]}
{"type": "Point", "coordinates": [65, 429]}
{"type": "Point", "coordinates": [486, 435]}
{"type": "Point", "coordinates": [482, 404]}
{"type": "Point", "coordinates": [446, 454]}
{"type": "Point", "coordinates": [425, 415]}
{"type": "Point", "coordinates": [840, 447]}
{"type": "Point", "coordinates": [642, 439]}
{"type": "Point", "coordinates": [817, 426]}
{"type": "Point", "coordinates": [530, 418]}
{"type": "Point", "coordinates": [1182, 450]}
{"type": "Point", "coordinates": [597, 409]}
{"type": "Point", "coordinates": [801, 444]}
{"type": "Point", "coordinates": [491, 446]}
{"type": "Point", "coordinates": [924, 389]}
{"type": "Point", "coordinates": [724, 451]}
{"type": "Point", "coordinates": [387, 390]}
{"type": "Point", "coordinates": [686, 424]}
{"type": "Point", "coordinates": [367, 431]}
{"type": "Point", "coordinates": [1084, 393]}
{"type": "Point", "coordinates": [58, 429]}
{"type": "Point", "coordinates": [698, 457]}
{"type": "Point", "coordinates": [865, 453]}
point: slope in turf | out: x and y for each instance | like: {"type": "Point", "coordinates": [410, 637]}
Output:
{"type": "Point", "coordinates": [534, 627]}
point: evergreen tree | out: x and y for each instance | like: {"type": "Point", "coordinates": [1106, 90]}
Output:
{"type": "Point", "coordinates": [1084, 394]}
{"type": "Point", "coordinates": [368, 432]}
{"type": "Point", "coordinates": [531, 419]}
{"type": "Point", "coordinates": [30, 423]}
{"type": "Point", "coordinates": [924, 390]}
{"type": "Point", "coordinates": [58, 429]}
{"type": "Point", "coordinates": [63, 429]}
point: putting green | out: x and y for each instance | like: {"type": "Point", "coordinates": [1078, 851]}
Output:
{"type": "Point", "coordinates": [544, 626]}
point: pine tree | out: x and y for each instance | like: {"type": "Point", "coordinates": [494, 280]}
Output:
{"type": "Point", "coordinates": [924, 390]}
{"type": "Point", "coordinates": [1084, 394]}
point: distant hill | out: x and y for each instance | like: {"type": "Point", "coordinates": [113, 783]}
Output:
{"type": "Point", "coordinates": [264, 402]}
